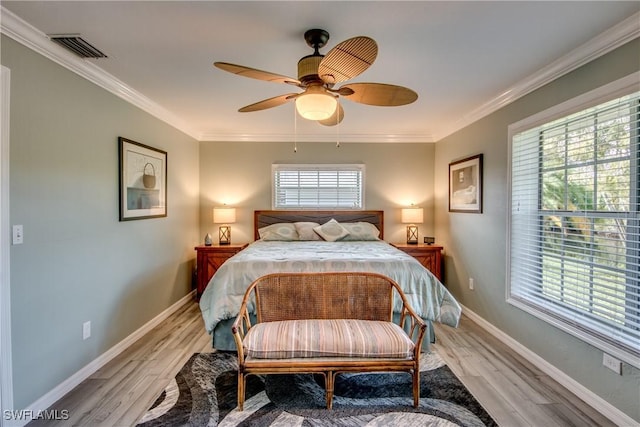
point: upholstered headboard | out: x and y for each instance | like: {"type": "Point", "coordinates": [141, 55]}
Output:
{"type": "Point", "coordinates": [264, 218]}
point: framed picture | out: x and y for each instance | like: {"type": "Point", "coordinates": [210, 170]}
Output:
{"type": "Point", "coordinates": [143, 181]}
{"type": "Point", "coordinates": [465, 185]}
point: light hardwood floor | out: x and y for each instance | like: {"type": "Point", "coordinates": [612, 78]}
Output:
{"type": "Point", "coordinates": [512, 390]}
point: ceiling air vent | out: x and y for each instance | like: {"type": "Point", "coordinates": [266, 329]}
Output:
{"type": "Point", "coordinates": [77, 45]}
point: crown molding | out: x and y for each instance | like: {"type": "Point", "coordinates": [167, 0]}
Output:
{"type": "Point", "coordinates": [614, 37]}
{"type": "Point", "coordinates": [22, 32]}
{"type": "Point", "coordinates": [290, 137]}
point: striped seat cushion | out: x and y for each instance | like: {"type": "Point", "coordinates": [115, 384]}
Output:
{"type": "Point", "coordinates": [327, 338]}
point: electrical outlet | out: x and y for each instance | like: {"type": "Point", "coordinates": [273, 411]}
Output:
{"type": "Point", "coordinates": [612, 363]}
{"type": "Point", "coordinates": [86, 330]}
{"type": "Point", "coordinates": [471, 283]}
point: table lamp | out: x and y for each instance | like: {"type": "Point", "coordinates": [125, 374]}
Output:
{"type": "Point", "coordinates": [224, 216]}
{"type": "Point", "coordinates": [412, 216]}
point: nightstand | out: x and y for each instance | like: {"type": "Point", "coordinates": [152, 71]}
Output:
{"type": "Point", "coordinates": [430, 256]}
{"type": "Point", "coordinates": [209, 259]}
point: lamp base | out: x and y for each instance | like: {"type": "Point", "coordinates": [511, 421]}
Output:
{"type": "Point", "coordinates": [412, 235]}
{"type": "Point", "coordinates": [224, 235]}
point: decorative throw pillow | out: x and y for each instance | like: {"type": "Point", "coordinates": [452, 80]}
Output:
{"type": "Point", "coordinates": [282, 231]}
{"type": "Point", "coordinates": [305, 230]}
{"type": "Point", "coordinates": [361, 231]}
{"type": "Point", "coordinates": [331, 230]}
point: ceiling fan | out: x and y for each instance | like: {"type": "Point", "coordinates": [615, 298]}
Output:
{"type": "Point", "coordinates": [318, 74]}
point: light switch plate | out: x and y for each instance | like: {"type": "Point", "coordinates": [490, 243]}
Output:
{"type": "Point", "coordinates": [18, 235]}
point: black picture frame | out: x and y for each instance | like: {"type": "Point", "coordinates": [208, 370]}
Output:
{"type": "Point", "coordinates": [465, 185]}
{"type": "Point", "coordinates": [143, 181]}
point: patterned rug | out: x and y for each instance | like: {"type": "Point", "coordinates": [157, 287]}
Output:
{"type": "Point", "coordinates": [204, 394]}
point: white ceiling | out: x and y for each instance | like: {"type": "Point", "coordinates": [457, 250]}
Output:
{"type": "Point", "coordinates": [464, 59]}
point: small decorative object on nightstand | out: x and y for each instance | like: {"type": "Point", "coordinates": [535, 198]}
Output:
{"type": "Point", "coordinates": [209, 259]}
{"type": "Point", "coordinates": [412, 216]}
{"type": "Point", "coordinates": [430, 256]}
{"type": "Point", "coordinates": [207, 240]}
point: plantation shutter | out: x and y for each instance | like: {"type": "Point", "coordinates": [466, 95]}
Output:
{"type": "Point", "coordinates": [574, 223]}
{"type": "Point", "coordinates": [318, 186]}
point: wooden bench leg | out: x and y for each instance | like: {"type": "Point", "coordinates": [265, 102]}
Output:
{"type": "Point", "coordinates": [241, 386]}
{"type": "Point", "coordinates": [328, 381]}
{"type": "Point", "coordinates": [416, 388]}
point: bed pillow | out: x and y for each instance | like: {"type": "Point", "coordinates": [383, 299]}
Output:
{"type": "Point", "coordinates": [361, 231]}
{"type": "Point", "coordinates": [331, 231]}
{"type": "Point", "coordinates": [305, 230]}
{"type": "Point", "coordinates": [282, 231]}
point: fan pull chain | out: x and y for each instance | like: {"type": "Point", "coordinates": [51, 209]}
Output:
{"type": "Point", "coordinates": [295, 130]}
{"type": "Point", "coordinates": [338, 129]}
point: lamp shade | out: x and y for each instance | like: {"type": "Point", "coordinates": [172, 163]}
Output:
{"type": "Point", "coordinates": [412, 216]}
{"type": "Point", "coordinates": [316, 104]}
{"type": "Point", "coordinates": [224, 215]}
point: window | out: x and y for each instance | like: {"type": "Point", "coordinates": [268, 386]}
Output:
{"type": "Point", "coordinates": [574, 223]}
{"type": "Point", "coordinates": [318, 186]}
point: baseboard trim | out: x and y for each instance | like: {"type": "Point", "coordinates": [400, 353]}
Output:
{"type": "Point", "coordinates": [592, 399]}
{"type": "Point", "coordinates": [70, 383]}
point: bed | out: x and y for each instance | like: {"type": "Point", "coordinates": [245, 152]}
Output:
{"type": "Point", "coordinates": [278, 248]}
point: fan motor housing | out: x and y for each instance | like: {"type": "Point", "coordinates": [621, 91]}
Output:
{"type": "Point", "coordinates": [308, 68]}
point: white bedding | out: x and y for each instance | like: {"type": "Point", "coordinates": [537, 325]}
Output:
{"type": "Point", "coordinates": [428, 297]}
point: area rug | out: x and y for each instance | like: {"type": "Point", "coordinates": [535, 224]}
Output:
{"type": "Point", "coordinates": [204, 393]}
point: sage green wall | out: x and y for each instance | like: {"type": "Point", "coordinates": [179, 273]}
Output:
{"type": "Point", "coordinates": [78, 262]}
{"type": "Point", "coordinates": [476, 245]}
{"type": "Point", "coordinates": [239, 174]}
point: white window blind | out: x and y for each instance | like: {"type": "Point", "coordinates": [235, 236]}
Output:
{"type": "Point", "coordinates": [318, 186]}
{"type": "Point", "coordinates": [574, 224]}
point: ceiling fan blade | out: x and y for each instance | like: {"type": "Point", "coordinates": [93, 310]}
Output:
{"type": "Point", "coordinates": [335, 118]}
{"type": "Point", "coordinates": [253, 73]}
{"type": "Point", "coordinates": [380, 94]}
{"type": "Point", "coordinates": [269, 103]}
{"type": "Point", "coordinates": [348, 59]}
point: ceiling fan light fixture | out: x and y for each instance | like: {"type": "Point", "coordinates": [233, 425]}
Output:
{"type": "Point", "coordinates": [317, 76]}
{"type": "Point", "coordinates": [316, 104]}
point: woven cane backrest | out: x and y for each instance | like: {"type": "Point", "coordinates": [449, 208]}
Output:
{"type": "Point", "coordinates": [295, 296]}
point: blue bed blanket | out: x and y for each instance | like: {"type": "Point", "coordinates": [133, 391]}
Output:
{"type": "Point", "coordinates": [427, 296]}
